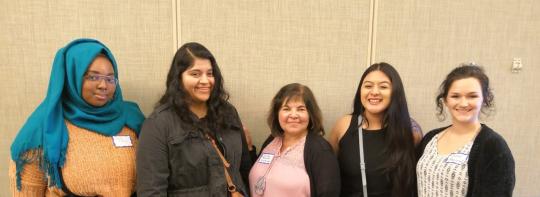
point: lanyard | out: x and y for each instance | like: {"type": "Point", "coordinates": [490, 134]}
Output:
{"type": "Point", "coordinates": [362, 162]}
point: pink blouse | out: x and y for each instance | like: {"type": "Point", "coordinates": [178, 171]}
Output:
{"type": "Point", "coordinates": [285, 172]}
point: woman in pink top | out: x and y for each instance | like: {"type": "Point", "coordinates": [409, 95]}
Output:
{"type": "Point", "coordinates": [295, 160]}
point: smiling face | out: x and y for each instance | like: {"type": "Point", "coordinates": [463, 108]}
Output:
{"type": "Point", "coordinates": [99, 83]}
{"type": "Point", "coordinates": [198, 81]}
{"type": "Point", "coordinates": [294, 117]}
{"type": "Point", "coordinates": [464, 100]}
{"type": "Point", "coordinates": [375, 93]}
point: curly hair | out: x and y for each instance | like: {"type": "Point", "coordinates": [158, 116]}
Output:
{"type": "Point", "coordinates": [461, 72]}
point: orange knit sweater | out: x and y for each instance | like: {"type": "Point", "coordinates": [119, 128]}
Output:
{"type": "Point", "coordinates": [94, 167]}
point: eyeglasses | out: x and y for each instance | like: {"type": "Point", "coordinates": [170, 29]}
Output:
{"type": "Point", "coordinates": [111, 80]}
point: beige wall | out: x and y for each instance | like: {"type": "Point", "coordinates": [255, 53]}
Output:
{"type": "Point", "coordinates": [263, 45]}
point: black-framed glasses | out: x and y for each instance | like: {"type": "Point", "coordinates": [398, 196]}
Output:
{"type": "Point", "coordinates": [111, 80]}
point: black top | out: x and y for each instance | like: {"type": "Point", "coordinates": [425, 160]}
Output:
{"type": "Point", "coordinates": [378, 182]}
{"type": "Point", "coordinates": [491, 166]}
{"type": "Point", "coordinates": [321, 166]}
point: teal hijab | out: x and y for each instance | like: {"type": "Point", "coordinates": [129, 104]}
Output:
{"type": "Point", "coordinates": [45, 130]}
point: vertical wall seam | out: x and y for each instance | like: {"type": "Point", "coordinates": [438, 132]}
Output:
{"type": "Point", "coordinates": [176, 24]}
{"type": "Point", "coordinates": [372, 34]}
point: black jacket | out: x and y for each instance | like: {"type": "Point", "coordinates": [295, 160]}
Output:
{"type": "Point", "coordinates": [491, 167]}
{"type": "Point", "coordinates": [176, 159]}
{"type": "Point", "coordinates": [321, 166]}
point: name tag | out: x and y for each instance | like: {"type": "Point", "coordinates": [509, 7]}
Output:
{"type": "Point", "coordinates": [457, 158]}
{"type": "Point", "coordinates": [122, 141]}
{"type": "Point", "coordinates": [266, 158]}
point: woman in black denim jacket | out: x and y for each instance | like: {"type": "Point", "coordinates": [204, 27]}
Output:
{"type": "Point", "coordinates": [175, 156]}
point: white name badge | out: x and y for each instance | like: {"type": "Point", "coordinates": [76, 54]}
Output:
{"type": "Point", "coordinates": [457, 158]}
{"type": "Point", "coordinates": [266, 158]}
{"type": "Point", "coordinates": [122, 141]}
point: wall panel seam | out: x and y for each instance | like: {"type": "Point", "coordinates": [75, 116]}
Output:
{"type": "Point", "coordinates": [372, 32]}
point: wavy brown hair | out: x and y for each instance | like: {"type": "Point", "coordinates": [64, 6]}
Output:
{"type": "Point", "coordinates": [290, 92]}
{"type": "Point", "coordinates": [461, 72]}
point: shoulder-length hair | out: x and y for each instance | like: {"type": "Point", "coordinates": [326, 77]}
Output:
{"type": "Point", "coordinates": [180, 99]}
{"type": "Point", "coordinates": [291, 92]}
{"type": "Point", "coordinates": [399, 139]}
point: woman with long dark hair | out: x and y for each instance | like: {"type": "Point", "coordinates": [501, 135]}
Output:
{"type": "Point", "coordinates": [193, 143]}
{"type": "Point", "coordinates": [381, 119]}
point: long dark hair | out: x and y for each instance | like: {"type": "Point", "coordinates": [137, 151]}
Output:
{"type": "Point", "coordinates": [179, 98]}
{"type": "Point", "coordinates": [461, 72]}
{"type": "Point", "coordinates": [290, 92]}
{"type": "Point", "coordinates": [400, 164]}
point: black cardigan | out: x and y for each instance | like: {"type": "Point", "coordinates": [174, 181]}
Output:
{"type": "Point", "coordinates": [321, 165]}
{"type": "Point", "coordinates": [490, 167]}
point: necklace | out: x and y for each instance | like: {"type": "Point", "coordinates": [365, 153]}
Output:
{"type": "Point", "coordinates": [260, 185]}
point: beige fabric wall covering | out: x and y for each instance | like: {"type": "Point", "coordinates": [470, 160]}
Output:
{"type": "Point", "coordinates": [263, 45]}
{"type": "Point", "coordinates": [426, 39]}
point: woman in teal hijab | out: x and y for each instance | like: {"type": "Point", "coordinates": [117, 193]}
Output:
{"type": "Point", "coordinates": [81, 139]}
